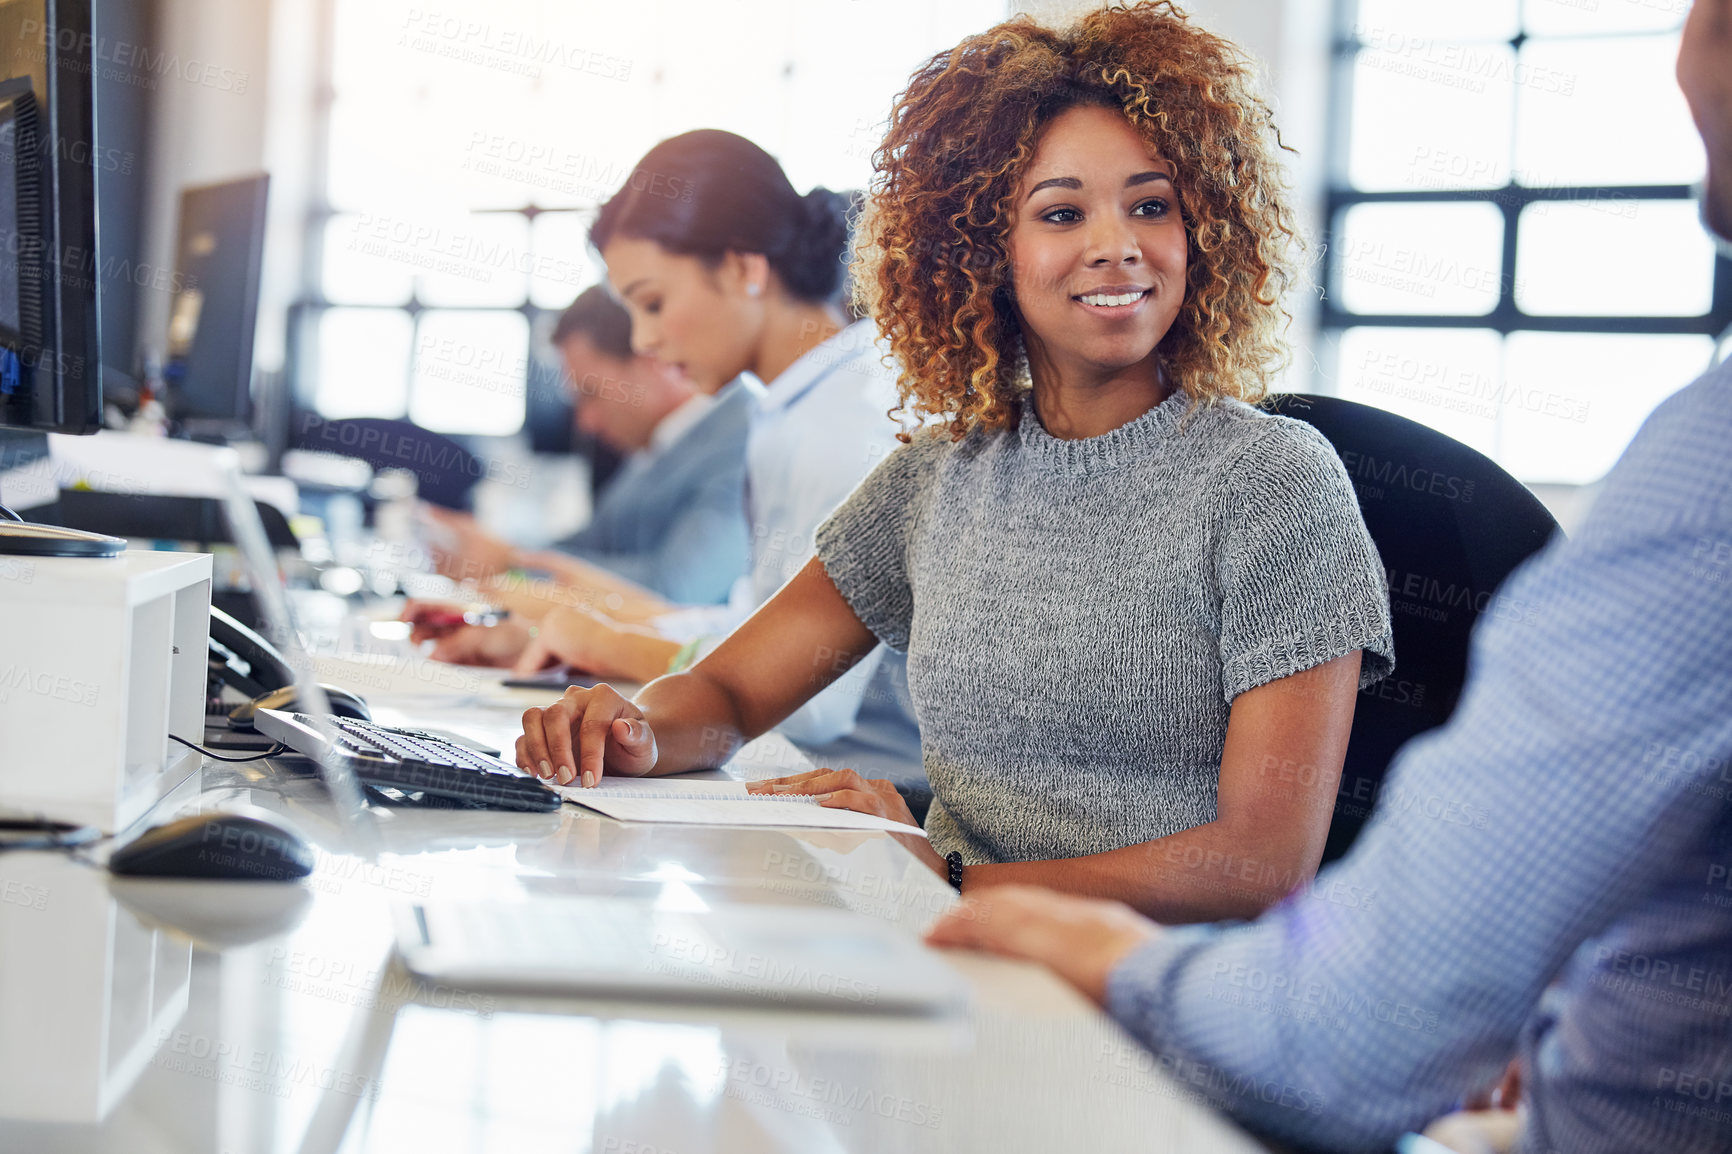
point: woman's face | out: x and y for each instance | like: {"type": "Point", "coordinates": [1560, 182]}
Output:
{"type": "Point", "coordinates": [699, 319]}
{"type": "Point", "coordinates": [1097, 245]}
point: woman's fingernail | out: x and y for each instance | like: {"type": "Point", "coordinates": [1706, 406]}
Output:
{"type": "Point", "coordinates": [589, 779]}
{"type": "Point", "coordinates": [546, 769]}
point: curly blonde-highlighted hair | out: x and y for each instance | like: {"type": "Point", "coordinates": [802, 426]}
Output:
{"type": "Point", "coordinates": [932, 262]}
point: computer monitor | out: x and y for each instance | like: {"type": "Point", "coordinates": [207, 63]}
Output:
{"type": "Point", "coordinates": [218, 254]}
{"type": "Point", "coordinates": [50, 363]}
{"type": "Point", "coordinates": [50, 359]}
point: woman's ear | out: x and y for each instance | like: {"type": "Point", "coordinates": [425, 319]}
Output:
{"type": "Point", "coordinates": [744, 274]}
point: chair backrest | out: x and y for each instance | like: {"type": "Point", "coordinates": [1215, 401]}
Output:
{"type": "Point", "coordinates": [1450, 526]}
{"type": "Point", "coordinates": [445, 471]}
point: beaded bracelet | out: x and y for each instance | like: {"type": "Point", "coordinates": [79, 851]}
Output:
{"type": "Point", "coordinates": [953, 860]}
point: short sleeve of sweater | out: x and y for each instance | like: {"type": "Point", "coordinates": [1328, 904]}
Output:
{"type": "Point", "coordinates": [1301, 582]}
{"type": "Point", "coordinates": [864, 544]}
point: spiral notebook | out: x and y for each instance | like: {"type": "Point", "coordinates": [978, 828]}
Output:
{"type": "Point", "coordinates": [696, 802]}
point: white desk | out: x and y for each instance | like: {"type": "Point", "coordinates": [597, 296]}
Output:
{"type": "Point", "coordinates": [284, 1027]}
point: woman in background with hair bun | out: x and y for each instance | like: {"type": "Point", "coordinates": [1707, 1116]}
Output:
{"type": "Point", "coordinates": [728, 272]}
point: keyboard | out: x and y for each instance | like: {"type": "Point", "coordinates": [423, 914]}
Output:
{"type": "Point", "coordinates": [411, 762]}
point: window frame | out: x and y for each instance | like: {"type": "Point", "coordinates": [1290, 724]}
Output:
{"type": "Point", "coordinates": [543, 380]}
{"type": "Point", "coordinates": [1510, 200]}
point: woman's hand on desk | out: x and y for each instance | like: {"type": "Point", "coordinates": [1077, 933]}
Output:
{"type": "Point", "coordinates": [494, 645]}
{"type": "Point", "coordinates": [841, 789]}
{"type": "Point", "coordinates": [587, 733]}
{"type": "Point", "coordinates": [597, 645]}
{"type": "Point", "coordinates": [1079, 939]}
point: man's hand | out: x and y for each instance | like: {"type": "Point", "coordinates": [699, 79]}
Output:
{"type": "Point", "coordinates": [469, 552]}
{"type": "Point", "coordinates": [1079, 939]}
{"type": "Point", "coordinates": [841, 789]}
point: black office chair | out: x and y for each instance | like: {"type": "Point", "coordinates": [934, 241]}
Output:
{"type": "Point", "coordinates": [445, 472]}
{"type": "Point", "coordinates": [1450, 525]}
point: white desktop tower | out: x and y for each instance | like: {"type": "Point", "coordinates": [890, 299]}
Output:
{"type": "Point", "coordinates": [101, 658]}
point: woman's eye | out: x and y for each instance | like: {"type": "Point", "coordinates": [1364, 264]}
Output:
{"type": "Point", "coordinates": [1153, 209]}
{"type": "Point", "coordinates": [652, 308]}
{"type": "Point", "coordinates": [1061, 216]}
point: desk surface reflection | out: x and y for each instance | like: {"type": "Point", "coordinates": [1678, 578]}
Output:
{"type": "Point", "coordinates": [238, 1018]}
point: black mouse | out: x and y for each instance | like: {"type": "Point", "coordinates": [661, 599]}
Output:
{"type": "Point", "coordinates": [343, 704]}
{"type": "Point", "coordinates": [241, 845]}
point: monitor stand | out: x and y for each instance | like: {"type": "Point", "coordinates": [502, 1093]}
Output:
{"type": "Point", "coordinates": [24, 538]}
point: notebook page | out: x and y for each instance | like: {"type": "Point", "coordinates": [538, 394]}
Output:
{"type": "Point", "coordinates": [690, 802]}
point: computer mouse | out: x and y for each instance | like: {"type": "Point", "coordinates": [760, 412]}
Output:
{"type": "Point", "coordinates": [247, 844]}
{"type": "Point", "coordinates": [343, 704]}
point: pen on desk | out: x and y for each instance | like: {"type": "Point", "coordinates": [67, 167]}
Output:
{"type": "Point", "coordinates": [447, 619]}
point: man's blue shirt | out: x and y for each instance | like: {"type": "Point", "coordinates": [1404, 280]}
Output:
{"type": "Point", "coordinates": [1571, 824]}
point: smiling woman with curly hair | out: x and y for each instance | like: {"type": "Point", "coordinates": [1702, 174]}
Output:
{"type": "Point", "coordinates": [1136, 609]}
{"type": "Point", "coordinates": [934, 263]}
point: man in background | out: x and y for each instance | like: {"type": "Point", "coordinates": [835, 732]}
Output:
{"type": "Point", "coordinates": [671, 520]}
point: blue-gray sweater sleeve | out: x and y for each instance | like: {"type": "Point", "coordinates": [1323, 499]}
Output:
{"type": "Point", "coordinates": [1300, 581]}
{"type": "Point", "coordinates": [863, 546]}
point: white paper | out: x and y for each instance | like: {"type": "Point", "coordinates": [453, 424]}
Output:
{"type": "Point", "coordinates": [688, 802]}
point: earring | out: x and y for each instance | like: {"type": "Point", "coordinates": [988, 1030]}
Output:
{"type": "Point", "coordinates": [1022, 380]}
{"type": "Point", "coordinates": [754, 289]}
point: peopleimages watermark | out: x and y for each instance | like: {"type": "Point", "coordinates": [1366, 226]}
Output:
{"type": "Point", "coordinates": [1416, 271]}
{"type": "Point", "coordinates": [581, 175]}
{"type": "Point", "coordinates": [378, 988]}
{"type": "Point", "coordinates": [16, 677]}
{"type": "Point", "coordinates": [1706, 773]}
{"type": "Point", "coordinates": [1704, 1095]}
{"type": "Point", "coordinates": [334, 871]}
{"type": "Point", "coordinates": [1434, 598]}
{"type": "Point", "coordinates": [503, 49]}
{"type": "Point", "coordinates": [1455, 65]}
{"type": "Point", "coordinates": [1394, 372]}
{"type": "Point", "coordinates": [826, 1098]}
{"type": "Point", "coordinates": [801, 875]}
{"type": "Point", "coordinates": [253, 1067]}
{"type": "Point", "coordinates": [429, 460]}
{"type": "Point", "coordinates": [614, 1144]}
{"type": "Point", "coordinates": [1196, 1081]}
{"type": "Point", "coordinates": [1325, 996]}
{"type": "Point", "coordinates": [129, 63]}
{"type": "Point", "coordinates": [19, 893]}
{"type": "Point", "coordinates": [708, 962]}
{"type": "Point", "coordinates": [467, 255]}
{"type": "Point", "coordinates": [1443, 169]}
{"type": "Point", "coordinates": [1718, 889]}
{"type": "Point", "coordinates": [79, 152]}
{"type": "Point", "coordinates": [1662, 979]}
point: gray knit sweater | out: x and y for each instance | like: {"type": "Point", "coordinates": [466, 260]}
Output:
{"type": "Point", "coordinates": [1080, 614]}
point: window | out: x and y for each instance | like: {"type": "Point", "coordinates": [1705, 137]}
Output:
{"type": "Point", "coordinates": [1515, 255]}
{"type": "Point", "coordinates": [466, 144]}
